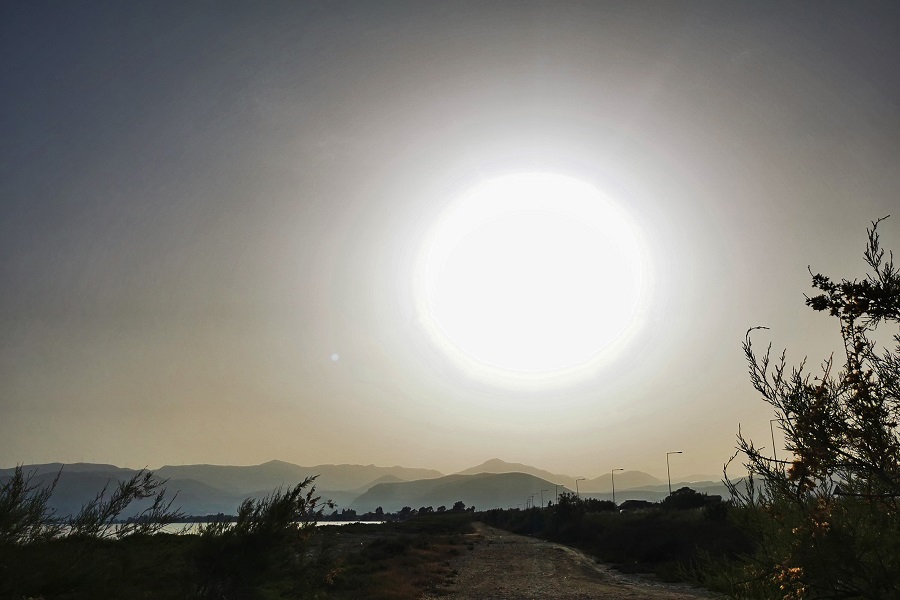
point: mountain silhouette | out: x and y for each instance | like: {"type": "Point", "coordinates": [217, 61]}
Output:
{"type": "Point", "coordinates": [625, 480]}
{"type": "Point", "coordinates": [267, 476]}
{"type": "Point", "coordinates": [482, 490]}
{"type": "Point", "coordinates": [496, 465]}
{"type": "Point", "coordinates": [210, 489]}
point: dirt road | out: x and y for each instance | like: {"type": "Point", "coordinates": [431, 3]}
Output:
{"type": "Point", "coordinates": [506, 566]}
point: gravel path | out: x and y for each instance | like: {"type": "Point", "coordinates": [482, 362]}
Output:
{"type": "Point", "coordinates": [507, 566]}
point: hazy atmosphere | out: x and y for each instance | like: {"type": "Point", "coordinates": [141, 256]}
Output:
{"type": "Point", "coordinates": [426, 234]}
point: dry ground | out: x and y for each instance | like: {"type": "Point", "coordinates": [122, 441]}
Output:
{"type": "Point", "coordinates": [507, 566]}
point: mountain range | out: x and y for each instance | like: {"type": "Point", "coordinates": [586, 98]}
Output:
{"type": "Point", "coordinates": [603, 483]}
{"type": "Point", "coordinates": [209, 489]}
{"type": "Point", "coordinates": [482, 490]}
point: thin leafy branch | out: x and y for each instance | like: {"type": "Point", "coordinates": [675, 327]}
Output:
{"type": "Point", "coordinates": [826, 520]}
{"type": "Point", "coordinates": [99, 517]}
{"type": "Point", "coordinates": [25, 513]}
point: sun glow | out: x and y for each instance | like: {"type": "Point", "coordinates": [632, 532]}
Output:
{"type": "Point", "coordinates": [532, 278]}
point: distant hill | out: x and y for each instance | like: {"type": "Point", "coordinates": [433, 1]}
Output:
{"type": "Point", "coordinates": [77, 487]}
{"type": "Point", "coordinates": [383, 479]}
{"type": "Point", "coordinates": [40, 469]}
{"type": "Point", "coordinates": [249, 479]}
{"type": "Point", "coordinates": [624, 480]}
{"type": "Point", "coordinates": [340, 498]}
{"type": "Point", "coordinates": [495, 465]}
{"type": "Point", "coordinates": [210, 489]}
{"type": "Point", "coordinates": [343, 499]}
{"type": "Point", "coordinates": [700, 477]}
{"type": "Point", "coordinates": [483, 490]}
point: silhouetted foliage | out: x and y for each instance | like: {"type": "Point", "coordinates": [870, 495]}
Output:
{"type": "Point", "coordinates": [269, 534]}
{"type": "Point", "coordinates": [686, 498]}
{"type": "Point", "coordinates": [90, 555]}
{"type": "Point", "coordinates": [25, 515]}
{"type": "Point", "coordinates": [97, 518]}
{"type": "Point", "coordinates": [630, 505]}
{"type": "Point", "coordinates": [827, 520]}
{"type": "Point", "coordinates": [97, 555]}
{"type": "Point", "coordinates": [666, 542]}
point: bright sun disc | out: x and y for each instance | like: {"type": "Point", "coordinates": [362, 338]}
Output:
{"type": "Point", "coordinates": [531, 277]}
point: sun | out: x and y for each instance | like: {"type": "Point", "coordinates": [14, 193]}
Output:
{"type": "Point", "coordinates": [532, 277]}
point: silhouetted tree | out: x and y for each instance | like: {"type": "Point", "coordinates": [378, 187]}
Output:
{"type": "Point", "coordinates": [595, 505]}
{"type": "Point", "coordinates": [685, 498]}
{"type": "Point", "coordinates": [827, 520]}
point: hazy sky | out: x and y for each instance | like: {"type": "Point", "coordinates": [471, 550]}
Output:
{"type": "Point", "coordinates": [213, 215]}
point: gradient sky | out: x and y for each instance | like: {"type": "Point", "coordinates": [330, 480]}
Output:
{"type": "Point", "coordinates": [201, 203]}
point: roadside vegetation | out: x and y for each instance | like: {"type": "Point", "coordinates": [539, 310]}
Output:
{"type": "Point", "coordinates": [825, 521]}
{"type": "Point", "coordinates": [271, 548]}
{"type": "Point", "coordinates": [669, 539]}
{"type": "Point", "coordinates": [97, 554]}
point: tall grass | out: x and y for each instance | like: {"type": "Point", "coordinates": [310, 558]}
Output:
{"type": "Point", "coordinates": [93, 555]}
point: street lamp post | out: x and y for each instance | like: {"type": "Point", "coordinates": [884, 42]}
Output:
{"type": "Point", "coordinates": [668, 472]}
{"type": "Point", "coordinates": [556, 485]}
{"type": "Point", "coordinates": [577, 493]}
{"type": "Point", "coordinates": [542, 497]}
{"type": "Point", "coordinates": [612, 474]}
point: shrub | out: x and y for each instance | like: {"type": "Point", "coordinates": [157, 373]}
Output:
{"type": "Point", "coordinates": [826, 521]}
{"type": "Point", "coordinates": [269, 538]}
